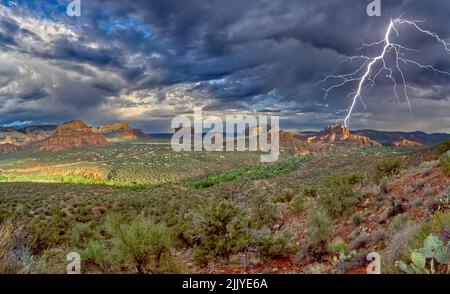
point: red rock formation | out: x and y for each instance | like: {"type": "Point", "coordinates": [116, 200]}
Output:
{"type": "Point", "coordinates": [338, 134]}
{"type": "Point", "coordinates": [14, 137]}
{"type": "Point", "coordinates": [9, 148]}
{"type": "Point", "coordinates": [402, 142]}
{"type": "Point", "coordinates": [71, 134]}
{"type": "Point", "coordinates": [120, 131]}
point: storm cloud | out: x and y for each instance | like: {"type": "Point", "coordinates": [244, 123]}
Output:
{"type": "Point", "coordinates": [146, 61]}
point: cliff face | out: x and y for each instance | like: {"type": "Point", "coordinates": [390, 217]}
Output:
{"type": "Point", "coordinates": [71, 134]}
{"type": "Point", "coordinates": [120, 131]}
{"type": "Point", "coordinates": [338, 134]}
{"type": "Point", "coordinates": [39, 132]}
{"type": "Point", "coordinates": [8, 148]}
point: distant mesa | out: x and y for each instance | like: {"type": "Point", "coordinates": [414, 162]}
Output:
{"type": "Point", "coordinates": [71, 134]}
{"type": "Point", "coordinates": [402, 142]}
{"type": "Point", "coordinates": [12, 136]}
{"type": "Point", "coordinates": [339, 134]}
{"type": "Point", "coordinates": [74, 126]}
{"type": "Point", "coordinates": [120, 131]}
{"type": "Point", "coordinates": [388, 137]}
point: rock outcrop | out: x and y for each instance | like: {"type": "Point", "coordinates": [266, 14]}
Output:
{"type": "Point", "coordinates": [339, 134]}
{"type": "Point", "coordinates": [71, 134]}
{"type": "Point", "coordinates": [8, 148]}
{"type": "Point", "coordinates": [402, 142]}
{"type": "Point", "coordinates": [120, 131]}
{"type": "Point", "coordinates": [12, 136]}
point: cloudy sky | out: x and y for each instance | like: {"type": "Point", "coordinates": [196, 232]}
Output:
{"type": "Point", "coordinates": [146, 61]}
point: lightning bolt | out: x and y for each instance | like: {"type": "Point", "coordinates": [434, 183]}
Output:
{"type": "Point", "coordinates": [365, 76]}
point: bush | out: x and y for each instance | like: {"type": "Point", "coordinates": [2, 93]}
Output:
{"type": "Point", "coordinates": [223, 231]}
{"type": "Point", "coordinates": [11, 248]}
{"type": "Point", "coordinates": [443, 147]}
{"type": "Point", "coordinates": [51, 261]}
{"type": "Point", "coordinates": [97, 256]}
{"type": "Point", "coordinates": [358, 217]}
{"type": "Point", "coordinates": [337, 195]}
{"type": "Point", "coordinates": [388, 167]}
{"type": "Point", "coordinates": [397, 245]}
{"type": "Point", "coordinates": [264, 213]}
{"type": "Point", "coordinates": [444, 162]}
{"type": "Point", "coordinates": [142, 243]}
{"type": "Point", "coordinates": [268, 246]}
{"type": "Point", "coordinates": [320, 228]}
{"type": "Point", "coordinates": [362, 240]}
{"type": "Point", "coordinates": [397, 223]}
{"type": "Point", "coordinates": [418, 184]}
{"type": "Point", "coordinates": [80, 233]}
{"type": "Point", "coordinates": [298, 203]}
{"type": "Point", "coordinates": [337, 246]}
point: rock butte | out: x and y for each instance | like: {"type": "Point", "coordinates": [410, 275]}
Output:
{"type": "Point", "coordinates": [71, 134]}
{"type": "Point", "coordinates": [339, 134]}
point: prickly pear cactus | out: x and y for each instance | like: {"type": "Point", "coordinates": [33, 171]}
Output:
{"type": "Point", "coordinates": [434, 251]}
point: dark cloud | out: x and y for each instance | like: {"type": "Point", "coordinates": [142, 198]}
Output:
{"type": "Point", "coordinates": [251, 55]}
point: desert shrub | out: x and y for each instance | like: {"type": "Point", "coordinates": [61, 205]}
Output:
{"type": "Point", "coordinates": [395, 207]}
{"type": "Point", "coordinates": [80, 233]}
{"type": "Point", "coordinates": [50, 261]}
{"type": "Point", "coordinates": [46, 234]}
{"type": "Point", "coordinates": [357, 217]}
{"type": "Point", "coordinates": [337, 196]}
{"type": "Point", "coordinates": [264, 212]}
{"type": "Point", "coordinates": [142, 243]}
{"type": "Point", "coordinates": [443, 147]}
{"type": "Point", "coordinates": [267, 245]}
{"type": "Point", "coordinates": [428, 192]}
{"type": "Point", "coordinates": [444, 162]}
{"type": "Point", "coordinates": [298, 203]}
{"type": "Point", "coordinates": [383, 189]}
{"type": "Point", "coordinates": [360, 238]}
{"type": "Point", "coordinates": [310, 192]}
{"type": "Point", "coordinates": [396, 246]}
{"type": "Point", "coordinates": [444, 200]}
{"type": "Point", "coordinates": [320, 228]}
{"type": "Point", "coordinates": [337, 246]}
{"type": "Point", "coordinates": [415, 201]}
{"type": "Point", "coordinates": [377, 235]}
{"type": "Point", "coordinates": [388, 167]}
{"type": "Point", "coordinates": [398, 222]}
{"type": "Point", "coordinates": [354, 178]}
{"type": "Point", "coordinates": [418, 184]}
{"type": "Point", "coordinates": [223, 232]}
{"type": "Point", "coordinates": [431, 204]}
{"type": "Point", "coordinates": [96, 256]}
{"type": "Point", "coordinates": [12, 248]}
